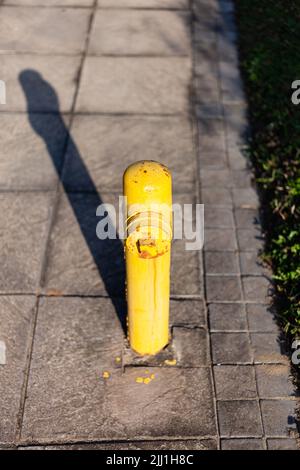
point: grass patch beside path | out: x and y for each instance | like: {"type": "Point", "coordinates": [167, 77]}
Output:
{"type": "Point", "coordinates": [269, 41]}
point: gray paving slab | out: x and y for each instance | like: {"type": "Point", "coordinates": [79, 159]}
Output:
{"type": "Point", "coordinates": [25, 163]}
{"type": "Point", "coordinates": [108, 144]}
{"type": "Point", "coordinates": [140, 32]}
{"type": "Point", "coordinates": [242, 444]}
{"type": "Point", "coordinates": [143, 4]}
{"type": "Point", "coordinates": [231, 348]}
{"type": "Point", "coordinates": [188, 444]}
{"type": "Point", "coordinates": [81, 263]}
{"type": "Point", "coordinates": [135, 85]}
{"type": "Point", "coordinates": [187, 312]}
{"type": "Point", "coordinates": [274, 380]}
{"type": "Point", "coordinates": [279, 417]}
{"type": "Point", "coordinates": [222, 262]}
{"type": "Point", "coordinates": [191, 345]}
{"type": "Point", "coordinates": [43, 30]}
{"type": "Point", "coordinates": [67, 3]}
{"type": "Point", "coordinates": [33, 93]}
{"type": "Point", "coordinates": [235, 382]}
{"type": "Point", "coordinates": [24, 223]}
{"type": "Point", "coordinates": [16, 317]}
{"type": "Point", "coordinates": [239, 418]}
{"type": "Point", "coordinates": [261, 318]}
{"type": "Point", "coordinates": [221, 288]}
{"type": "Point", "coordinates": [226, 316]}
{"type": "Point", "coordinates": [282, 444]}
{"type": "Point", "coordinates": [68, 398]}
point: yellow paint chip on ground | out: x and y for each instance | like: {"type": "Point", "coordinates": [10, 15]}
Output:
{"type": "Point", "coordinates": [118, 359]}
{"type": "Point", "coordinates": [139, 380]}
{"type": "Point", "coordinates": [170, 362]}
{"type": "Point", "coordinates": [106, 374]}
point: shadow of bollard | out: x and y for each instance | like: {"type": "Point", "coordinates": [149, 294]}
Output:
{"type": "Point", "coordinates": [107, 254]}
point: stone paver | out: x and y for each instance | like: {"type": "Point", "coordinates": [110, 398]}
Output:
{"type": "Point", "coordinates": [69, 398]}
{"type": "Point", "coordinates": [49, 30]}
{"type": "Point", "coordinates": [140, 32]}
{"type": "Point", "coordinates": [24, 222]}
{"type": "Point", "coordinates": [242, 444]}
{"type": "Point", "coordinates": [159, 80]}
{"type": "Point", "coordinates": [135, 85]}
{"type": "Point", "coordinates": [24, 158]}
{"type": "Point", "coordinates": [108, 144]}
{"type": "Point", "coordinates": [16, 316]}
{"type": "Point", "coordinates": [59, 71]}
{"type": "Point", "coordinates": [188, 444]}
{"type": "Point", "coordinates": [143, 3]}
{"type": "Point", "coordinates": [85, 3]}
{"type": "Point", "coordinates": [239, 418]}
{"type": "Point", "coordinates": [235, 382]}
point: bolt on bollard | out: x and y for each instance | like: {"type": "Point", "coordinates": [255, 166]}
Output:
{"type": "Point", "coordinates": [148, 193]}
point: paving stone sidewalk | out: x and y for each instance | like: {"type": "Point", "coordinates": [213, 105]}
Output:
{"type": "Point", "coordinates": [91, 87]}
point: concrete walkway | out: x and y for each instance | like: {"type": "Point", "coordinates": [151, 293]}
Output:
{"type": "Point", "coordinates": [92, 87]}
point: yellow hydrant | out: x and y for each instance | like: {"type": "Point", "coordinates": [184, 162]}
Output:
{"type": "Point", "coordinates": [148, 192]}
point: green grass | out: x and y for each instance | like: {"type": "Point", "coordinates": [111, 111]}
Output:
{"type": "Point", "coordinates": [269, 41]}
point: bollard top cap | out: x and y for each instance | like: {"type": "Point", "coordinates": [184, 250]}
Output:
{"type": "Point", "coordinates": [148, 173]}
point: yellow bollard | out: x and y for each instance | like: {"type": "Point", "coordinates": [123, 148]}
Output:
{"type": "Point", "coordinates": [148, 189]}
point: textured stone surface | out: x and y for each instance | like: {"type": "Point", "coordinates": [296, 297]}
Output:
{"type": "Point", "coordinates": [16, 314]}
{"type": "Point", "coordinates": [108, 144]}
{"type": "Point", "coordinates": [261, 319]}
{"type": "Point", "coordinates": [215, 178]}
{"type": "Point", "coordinates": [191, 346]}
{"type": "Point", "coordinates": [251, 264]}
{"type": "Point", "coordinates": [222, 262]}
{"type": "Point", "coordinates": [220, 240]}
{"type": "Point", "coordinates": [245, 198]}
{"type": "Point", "coordinates": [246, 218]}
{"type": "Point", "coordinates": [85, 3]}
{"type": "Point", "coordinates": [232, 90]}
{"type": "Point", "coordinates": [278, 417]}
{"type": "Point", "coordinates": [218, 217]}
{"type": "Point", "coordinates": [140, 32]}
{"type": "Point", "coordinates": [257, 288]}
{"type": "Point", "coordinates": [274, 381]}
{"type": "Point", "coordinates": [25, 162]}
{"type": "Point", "coordinates": [268, 347]}
{"type": "Point", "coordinates": [230, 348]}
{"type": "Point", "coordinates": [239, 418]}
{"type": "Point", "coordinates": [187, 312]}
{"type": "Point", "coordinates": [211, 135]}
{"type": "Point", "coordinates": [58, 71]}
{"type": "Point", "coordinates": [223, 288]}
{"type": "Point", "coordinates": [24, 219]}
{"type": "Point", "coordinates": [68, 397]}
{"type": "Point", "coordinates": [80, 263]}
{"type": "Point", "coordinates": [250, 239]}
{"type": "Point", "coordinates": [227, 317]}
{"type": "Point", "coordinates": [185, 270]}
{"type": "Point", "coordinates": [143, 3]}
{"type": "Point", "coordinates": [242, 444]}
{"type": "Point", "coordinates": [235, 382]}
{"type": "Point", "coordinates": [282, 444]}
{"type": "Point", "coordinates": [135, 85]}
{"type": "Point", "coordinates": [50, 30]}
{"type": "Point", "coordinates": [216, 196]}
{"type": "Point", "coordinates": [189, 444]}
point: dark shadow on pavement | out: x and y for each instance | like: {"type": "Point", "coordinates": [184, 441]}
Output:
{"type": "Point", "coordinates": [107, 254]}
